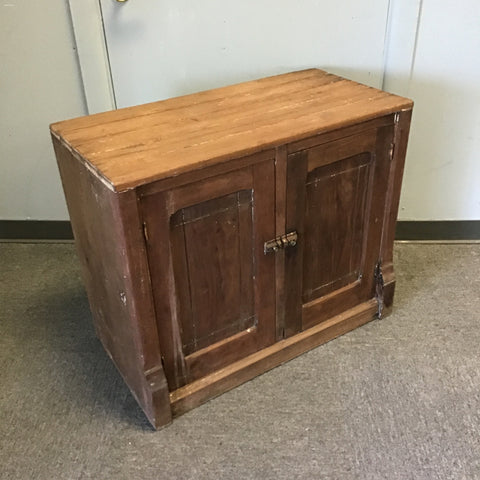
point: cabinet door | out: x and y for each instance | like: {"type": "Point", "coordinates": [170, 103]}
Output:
{"type": "Point", "coordinates": [336, 195]}
{"type": "Point", "coordinates": [205, 250]}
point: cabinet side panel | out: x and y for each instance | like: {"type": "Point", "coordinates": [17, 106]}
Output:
{"type": "Point", "coordinates": [108, 241]}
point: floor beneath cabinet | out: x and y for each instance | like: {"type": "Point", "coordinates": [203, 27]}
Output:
{"type": "Point", "coordinates": [397, 398]}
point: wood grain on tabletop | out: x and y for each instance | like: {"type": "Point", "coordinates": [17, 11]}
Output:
{"type": "Point", "coordinates": [136, 145]}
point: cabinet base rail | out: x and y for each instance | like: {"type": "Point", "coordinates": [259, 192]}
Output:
{"type": "Point", "coordinates": [194, 394]}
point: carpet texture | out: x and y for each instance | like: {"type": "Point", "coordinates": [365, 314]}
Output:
{"type": "Point", "coordinates": [398, 398]}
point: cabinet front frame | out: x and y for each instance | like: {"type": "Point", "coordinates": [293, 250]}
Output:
{"type": "Point", "coordinates": [291, 317]}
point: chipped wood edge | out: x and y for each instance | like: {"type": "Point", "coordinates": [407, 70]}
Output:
{"type": "Point", "coordinates": [94, 171]}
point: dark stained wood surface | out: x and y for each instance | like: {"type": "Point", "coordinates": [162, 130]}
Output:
{"type": "Point", "coordinates": [171, 203]}
{"type": "Point", "coordinates": [110, 247]}
{"type": "Point", "coordinates": [392, 203]}
{"type": "Point", "coordinates": [137, 145]}
{"type": "Point", "coordinates": [214, 253]}
{"type": "Point", "coordinates": [196, 393]}
{"type": "Point", "coordinates": [218, 305]}
{"type": "Point", "coordinates": [335, 212]}
{"type": "Point", "coordinates": [295, 214]}
{"type": "Point", "coordinates": [337, 191]}
{"type": "Point", "coordinates": [280, 229]}
{"type": "Point", "coordinates": [160, 262]}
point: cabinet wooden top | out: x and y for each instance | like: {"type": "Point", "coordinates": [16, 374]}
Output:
{"type": "Point", "coordinates": [136, 145]}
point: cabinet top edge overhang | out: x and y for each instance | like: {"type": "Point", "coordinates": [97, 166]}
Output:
{"type": "Point", "coordinates": [133, 146]}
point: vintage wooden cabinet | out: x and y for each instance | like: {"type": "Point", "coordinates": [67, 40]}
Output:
{"type": "Point", "coordinates": [226, 232]}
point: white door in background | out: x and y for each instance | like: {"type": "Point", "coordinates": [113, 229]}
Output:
{"type": "Point", "coordinates": [427, 50]}
{"type": "Point", "coordinates": [165, 48]}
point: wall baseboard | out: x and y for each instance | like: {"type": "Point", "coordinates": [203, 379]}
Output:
{"type": "Point", "coordinates": [438, 230]}
{"type": "Point", "coordinates": [411, 230]}
{"type": "Point", "coordinates": [35, 230]}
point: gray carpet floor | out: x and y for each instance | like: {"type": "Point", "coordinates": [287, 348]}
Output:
{"type": "Point", "coordinates": [398, 398]}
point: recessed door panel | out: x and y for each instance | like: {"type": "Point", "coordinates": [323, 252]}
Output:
{"type": "Point", "coordinates": [213, 268]}
{"type": "Point", "coordinates": [334, 225]}
{"type": "Point", "coordinates": [209, 273]}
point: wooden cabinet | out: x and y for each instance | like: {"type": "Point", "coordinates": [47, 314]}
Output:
{"type": "Point", "coordinates": [223, 233]}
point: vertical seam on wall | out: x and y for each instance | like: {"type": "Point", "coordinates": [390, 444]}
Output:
{"type": "Point", "coordinates": [79, 64]}
{"type": "Point", "coordinates": [386, 41]}
{"type": "Point", "coordinates": [415, 45]}
{"type": "Point", "coordinates": [112, 85]}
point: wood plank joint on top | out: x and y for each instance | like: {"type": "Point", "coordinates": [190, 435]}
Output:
{"type": "Point", "coordinates": [130, 147]}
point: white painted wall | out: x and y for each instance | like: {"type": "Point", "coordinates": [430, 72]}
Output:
{"type": "Point", "coordinates": [39, 84]}
{"type": "Point", "coordinates": [161, 49]}
{"type": "Point", "coordinates": [437, 65]}
{"type": "Point", "coordinates": [439, 68]}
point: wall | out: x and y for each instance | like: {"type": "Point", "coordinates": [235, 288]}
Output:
{"type": "Point", "coordinates": [169, 48]}
{"type": "Point", "coordinates": [39, 84]}
{"type": "Point", "coordinates": [437, 65]}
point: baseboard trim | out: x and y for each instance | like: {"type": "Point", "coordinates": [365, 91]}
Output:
{"type": "Point", "coordinates": [17, 230]}
{"type": "Point", "coordinates": [412, 230]}
{"type": "Point", "coordinates": [438, 230]}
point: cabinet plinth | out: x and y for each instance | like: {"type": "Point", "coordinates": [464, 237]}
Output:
{"type": "Point", "coordinates": [226, 232]}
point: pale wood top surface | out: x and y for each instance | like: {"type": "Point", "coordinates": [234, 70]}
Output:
{"type": "Point", "coordinates": [136, 145]}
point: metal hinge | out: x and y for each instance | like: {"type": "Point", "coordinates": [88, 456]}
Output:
{"type": "Point", "coordinates": [396, 118]}
{"type": "Point", "coordinates": [391, 152]}
{"type": "Point", "coordinates": [379, 284]}
{"type": "Point", "coordinates": [145, 232]}
{"type": "Point", "coordinates": [283, 241]}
